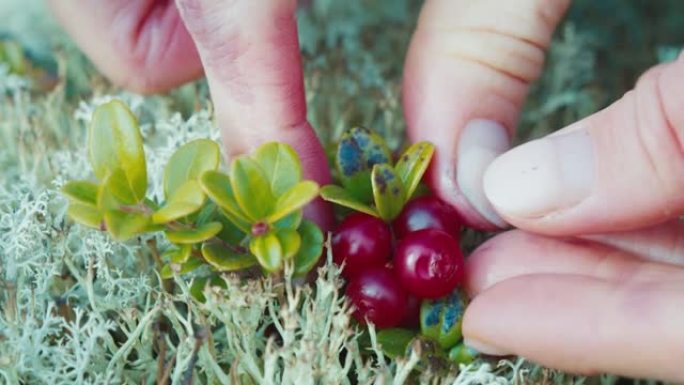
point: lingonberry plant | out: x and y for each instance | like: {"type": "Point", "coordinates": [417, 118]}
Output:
{"type": "Point", "coordinates": [249, 217]}
{"type": "Point", "coordinates": [400, 249]}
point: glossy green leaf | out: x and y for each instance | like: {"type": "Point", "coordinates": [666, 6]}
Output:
{"type": "Point", "coordinates": [412, 165]}
{"type": "Point", "coordinates": [84, 214]}
{"type": "Point", "coordinates": [395, 342]}
{"type": "Point", "coordinates": [251, 188]}
{"type": "Point", "coordinates": [185, 200]}
{"type": "Point", "coordinates": [280, 164]}
{"type": "Point", "coordinates": [192, 264]}
{"type": "Point", "coordinates": [81, 191]}
{"type": "Point", "coordinates": [239, 222]}
{"type": "Point", "coordinates": [358, 151]}
{"type": "Point", "coordinates": [115, 143]}
{"type": "Point", "coordinates": [290, 241]}
{"type": "Point", "coordinates": [124, 225]}
{"type": "Point", "coordinates": [294, 199]}
{"type": "Point", "coordinates": [178, 254]}
{"type": "Point", "coordinates": [230, 232]}
{"type": "Point", "coordinates": [120, 188]}
{"type": "Point", "coordinates": [340, 196]}
{"type": "Point", "coordinates": [226, 258]}
{"type": "Point", "coordinates": [268, 251]}
{"type": "Point", "coordinates": [291, 221]}
{"type": "Point", "coordinates": [218, 188]}
{"type": "Point", "coordinates": [189, 162]}
{"type": "Point", "coordinates": [311, 248]}
{"type": "Point", "coordinates": [195, 235]}
{"type": "Point", "coordinates": [441, 319]}
{"type": "Point", "coordinates": [462, 354]}
{"type": "Point", "coordinates": [388, 191]}
{"type": "Point", "coordinates": [197, 288]}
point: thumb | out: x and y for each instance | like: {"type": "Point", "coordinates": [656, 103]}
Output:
{"type": "Point", "coordinates": [619, 169]}
{"type": "Point", "coordinates": [466, 78]}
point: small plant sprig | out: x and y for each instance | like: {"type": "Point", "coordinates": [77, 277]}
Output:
{"type": "Point", "coordinates": [370, 182]}
{"type": "Point", "coordinates": [250, 217]}
{"type": "Point", "coordinates": [415, 307]}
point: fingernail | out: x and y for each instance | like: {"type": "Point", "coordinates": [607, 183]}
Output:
{"type": "Point", "coordinates": [542, 176]}
{"type": "Point", "coordinates": [481, 141]}
{"type": "Point", "coordinates": [484, 348]}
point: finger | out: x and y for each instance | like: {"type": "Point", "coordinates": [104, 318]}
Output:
{"type": "Point", "coordinates": [466, 77]}
{"type": "Point", "coordinates": [619, 169]}
{"type": "Point", "coordinates": [250, 53]}
{"type": "Point", "coordinates": [141, 45]}
{"type": "Point", "coordinates": [661, 243]}
{"type": "Point", "coordinates": [517, 253]}
{"type": "Point", "coordinates": [584, 324]}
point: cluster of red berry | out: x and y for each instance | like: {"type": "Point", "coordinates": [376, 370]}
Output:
{"type": "Point", "coordinates": [390, 269]}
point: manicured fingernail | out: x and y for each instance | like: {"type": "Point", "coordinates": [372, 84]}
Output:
{"type": "Point", "coordinates": [480, 143]}
{"type": "Point", "coordinates": [542, 176]}
{"type": "Point", "coordinates": [484, 348]}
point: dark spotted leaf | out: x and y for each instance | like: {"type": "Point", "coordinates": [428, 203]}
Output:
{"type": "Point", "coordinates": [388, 191]}
{"type": "Point", "coordinates": [441, 319]}
{"type": "Point", "coordinates": [358, 151]}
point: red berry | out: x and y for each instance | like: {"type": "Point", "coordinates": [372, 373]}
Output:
{"type": "Point", "coordinates": [361, 241]}
{"type": "Point", "coordinates": [377, 297]}
{"type": "Point", "coordinates": [412, 313]}
{"type": "Point", "coordinates": [429, 263]}
{"type": "Point", "coordinates": [427, 212]}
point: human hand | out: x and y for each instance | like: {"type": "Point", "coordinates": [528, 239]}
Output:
{"type": "Point", "coordinates": [248, 50]}
{"type": "Point", "coordinates": [578, 302]}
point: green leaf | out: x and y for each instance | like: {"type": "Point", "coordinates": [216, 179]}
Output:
{"type": "Point", "coordinates": [291, 221]}
{"type": "Point", "coordinates": [192, 264]}
{"type": "Point", "coordinates": [388, 191]}
{"type": "Point", "coordinates": [120, 188]}
{"type": "Point", "coordinates": [230, 232]}
{"type": "Point", "coordinates": [340, 196]}
{"type": "Point", "coordinates": [358, 151]}
{"type": "Point", "coordinates": [294, 199]}
{"type": "Point", "coordinates": [280, 164]}
{"type": "Point", "coordinates": [115, 143]}
{"type": "Point", "coordinates": [81, 191]}
{"type": "Point", "coordinates": [311, 248]}
{"type": "Point", "coordinates": [189, 162]}
{"type": "Point", "coordinates": [219, 189]}
{"type": "Point", "coordinates": [251, 188]}
{"type": "Point", "coordinates": [441, 319]}
{"type": "Point", "coordinates": [185, 200]}
{"type": "Point", "coordinates": [178, 254]}
{"type": "Point", "coordinates": [268, 251]}
{"type": "Point", "coordinates": [85, 214]}
{"type": "Point", "coordinates": [240, 223]}
{"type": "Point", "coordinates": [124, 225]}
{"type": "Point", "coordinates": [395, 342]}
{"type": "Point", "coordinates": [412, 165]}
{"type": "Point", "coordinates": [196, 235]}
{"type": "Point", "coordinates": [290, 242]}
{"type": "Point", "coordinates": [226, 258]}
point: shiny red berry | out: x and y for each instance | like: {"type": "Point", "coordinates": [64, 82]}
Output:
{"type": "Point", "coordinates": [377, 297]}
{"type": "Point", "coordinates": [360, 242]}
{"type": "Point", "coordinates": [429, 263]}
{"type": "Point", "coordinates": [427, 212]}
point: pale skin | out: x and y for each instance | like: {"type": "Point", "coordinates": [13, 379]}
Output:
{"type": "Point", "coordinates": [591, 281]}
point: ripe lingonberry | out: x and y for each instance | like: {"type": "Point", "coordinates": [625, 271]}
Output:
{"type": "Point", "coordinates": [429, 263]}
{"type": "Point", "coordinates": [377, 297]}
{"type": "Point", "coordinates": [360, 242]}
{"type": "Point", "coordinates": [427, 212]}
